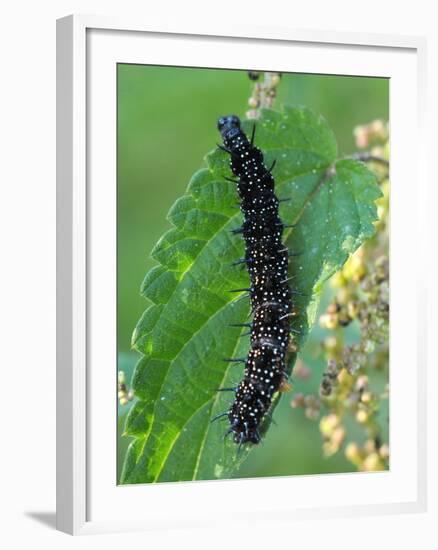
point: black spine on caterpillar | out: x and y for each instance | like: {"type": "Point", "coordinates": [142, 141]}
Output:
{"type": "Point", "coordinates": [266, 259]}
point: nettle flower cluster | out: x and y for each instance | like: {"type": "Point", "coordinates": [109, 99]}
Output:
{"type": "Point", "coordinates": [349, 387]}
{"type": "Point", "coordinates": [263, 94]}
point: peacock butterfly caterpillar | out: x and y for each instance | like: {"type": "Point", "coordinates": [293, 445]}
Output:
{"type": "Point", "coordinates": [267, 261]}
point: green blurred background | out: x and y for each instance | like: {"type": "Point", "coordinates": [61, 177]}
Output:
{"type": "Point", "coordinates": [166, 124]}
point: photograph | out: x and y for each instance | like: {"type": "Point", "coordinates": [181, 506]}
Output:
{"type": "Point", "coordinates": [252, 274]}
{"type": "Point", "coordinates": [227, 218]}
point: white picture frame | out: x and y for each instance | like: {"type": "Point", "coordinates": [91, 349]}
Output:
{"type": "Point", "coordinates": [87, 48]}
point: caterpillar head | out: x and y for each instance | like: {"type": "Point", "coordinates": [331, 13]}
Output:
{"type": "Point", "coordinates": [228, 122]}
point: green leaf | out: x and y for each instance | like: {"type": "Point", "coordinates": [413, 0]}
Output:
{"type": "Point", "coordinates": [184, 335]}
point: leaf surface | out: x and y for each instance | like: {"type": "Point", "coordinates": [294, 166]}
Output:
{"type": "Point", "coordinates": [184, 335]}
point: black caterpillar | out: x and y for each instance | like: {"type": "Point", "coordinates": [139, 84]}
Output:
{"type": "Point", "coordinates": [267, 262]}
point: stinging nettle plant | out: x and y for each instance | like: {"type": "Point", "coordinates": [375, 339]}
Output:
{"type": "Point", "coordinates": [185, 334]}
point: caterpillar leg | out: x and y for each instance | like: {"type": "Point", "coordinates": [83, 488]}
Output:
{"type": "Point", "coordinates": [253, 134]}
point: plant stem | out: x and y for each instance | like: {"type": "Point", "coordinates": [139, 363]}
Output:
{"type": "Point", "coordinates": [263, 94]}
{"type": "Point", "coordinates": [365, 156]}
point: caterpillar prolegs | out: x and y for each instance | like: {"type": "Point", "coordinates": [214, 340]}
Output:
{"type": "Point", "coordinates": [267, 261]}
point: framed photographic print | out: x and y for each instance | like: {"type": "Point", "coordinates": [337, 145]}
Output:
{"type": "Point", "coordinates": [233, 286]}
